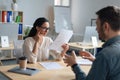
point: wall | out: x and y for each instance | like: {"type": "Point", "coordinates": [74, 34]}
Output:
{"type": "Point", "coordinates": [84, 10]}
{"type": "Point", "coordinates": [32, 9]}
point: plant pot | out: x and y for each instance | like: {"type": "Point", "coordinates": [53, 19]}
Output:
{"type": "Point", "coordinates": [14, 6]}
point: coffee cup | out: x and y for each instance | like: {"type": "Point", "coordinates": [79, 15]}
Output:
{"type": "Point", "coordinates": [22, 63]}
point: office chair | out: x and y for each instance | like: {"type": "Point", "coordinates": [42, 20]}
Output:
{"type": "Point", "coordinates": [18, 48]}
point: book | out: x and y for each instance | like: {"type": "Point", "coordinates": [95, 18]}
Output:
{"type": "Point", "coordinates": [20, 14]}
{"type": "Point", "coordinates": [20, 29]}
{"type": "Point", "coordinates": [9, 16]}
{"type": "Point", "coordinates": [17, 19]}
{"type": "Point", "coordinates": [4, 16]}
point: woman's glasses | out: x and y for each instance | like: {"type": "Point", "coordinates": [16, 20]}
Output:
{"type": "Point", "coordinates": [44, 28]}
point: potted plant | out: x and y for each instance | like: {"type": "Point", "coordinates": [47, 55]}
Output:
{"type": "Point", "coordinates": [14, 1]}
{"type": "Point", "coordinates": [14, 5]}
{"type": "Point", "coordinates": [26, 31]}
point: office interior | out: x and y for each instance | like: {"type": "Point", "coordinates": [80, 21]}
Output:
{"type": "Point", "coordinates": [82, 12]}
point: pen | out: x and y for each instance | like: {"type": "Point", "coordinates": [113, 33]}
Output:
{"type": "Point", "coordinates": [31, 68]}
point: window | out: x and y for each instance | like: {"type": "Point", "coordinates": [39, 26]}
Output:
{"type": "Point", "coordinates": [62, 2]}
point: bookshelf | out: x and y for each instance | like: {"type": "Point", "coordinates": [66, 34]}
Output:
{"type": "Point", "coordinates": [11, 25]}
{"type": "Point", "coordinates": [11, 18]}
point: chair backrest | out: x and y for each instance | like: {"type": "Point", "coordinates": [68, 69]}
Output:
{"type": "Point", "coordinates": [18, 48]}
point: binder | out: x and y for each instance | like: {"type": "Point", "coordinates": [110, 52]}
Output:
{"type": "Point", "coordinates": [9, 16]}
{"type": "Point", "coordinates": [17, 19]}
{"type": "Point", "coordinates": [4, 16]}
{"type": "Point", "coordinates": [20, 29]}
{"type": "Point", "coordinates": [20, 14]}
{"type": "Point", "coordinates": [20, 32]}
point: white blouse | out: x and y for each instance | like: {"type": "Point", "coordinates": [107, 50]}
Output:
{"type": "Point", "coordinates": [43, 51]}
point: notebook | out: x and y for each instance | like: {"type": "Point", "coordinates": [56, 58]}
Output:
{"type": "Point", "coordinates": [28, 71]}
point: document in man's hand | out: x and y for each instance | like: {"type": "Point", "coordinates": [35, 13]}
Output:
{"type": "Point", "coordinates": [63, 37]}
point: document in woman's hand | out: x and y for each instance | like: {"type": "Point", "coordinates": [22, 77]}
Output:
{"type": "Point", "coordinates": [63, 37]}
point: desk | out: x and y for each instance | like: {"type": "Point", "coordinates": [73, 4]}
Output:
{"type": "Point", "coordinates": [64, 73]}
{"type": "Point", "coordinates": [11, 48]}
{"type": "Point", "coordinates": [84, 47]}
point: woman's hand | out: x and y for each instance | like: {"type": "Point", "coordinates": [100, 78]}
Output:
{"type": "Point", "coordinates": [87, 55]}
{"type": "Point", "coordinates": [38, 41]}
{"type": "Point", "coordinates": [39, 37]}
{"type": "Point", "coordinates": [65, 49]}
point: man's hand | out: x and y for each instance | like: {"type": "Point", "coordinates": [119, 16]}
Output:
{"type": "Point", "coordinates": [70, 59]}
{"type": "Point", "coordinates": [87, 55]}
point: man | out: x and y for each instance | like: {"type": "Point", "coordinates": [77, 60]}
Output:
{"type": "Point", "coordinates": [106, 66]}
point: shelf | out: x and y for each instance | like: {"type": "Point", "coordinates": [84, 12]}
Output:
{"type": "Point", "coordinates": [11, 16]}
{"type": "Point", "coordinates": [11, 20]}
{"type": "Point", "coordinates": [11, 25]}
{"type": "Point", "coordinates": [7, 58]}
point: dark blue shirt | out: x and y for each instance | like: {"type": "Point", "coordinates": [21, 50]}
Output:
{"type": "Point", "coordinates": [106, 65]}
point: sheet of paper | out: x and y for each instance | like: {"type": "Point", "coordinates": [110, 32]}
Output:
{"type": "Point", "coordinates": [63, 37]}
{"type": "Point", "coordinates": [94, 41]}
{"type": "Point", "coordinates": [84, 62]}
{"type": "Point", "coordinates": [51, 65]}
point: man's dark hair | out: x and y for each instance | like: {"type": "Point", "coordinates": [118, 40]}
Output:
{"type": "Point", "coordinates": [110, 14]}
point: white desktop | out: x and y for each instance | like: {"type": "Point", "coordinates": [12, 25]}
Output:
{"type": "Point", "coordinates": [87, 42]}
{"type": "Point", "coordinates": [90, 32]}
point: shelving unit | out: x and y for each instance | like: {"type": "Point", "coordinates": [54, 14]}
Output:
{"type": "Point", "coordinates": [11, 25]}
{"type": "Point", "coordinates": [12, 17]}
{"type": "Point", "coordinates": [7, 16]}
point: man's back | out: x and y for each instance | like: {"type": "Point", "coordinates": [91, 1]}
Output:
{"type": "Point", "coordinates": [108, 60]}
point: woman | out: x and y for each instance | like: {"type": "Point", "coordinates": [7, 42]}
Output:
{"type": "Point", "coordinates": [36, 44]}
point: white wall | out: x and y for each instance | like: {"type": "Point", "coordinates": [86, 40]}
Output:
{"type": "Point", "coordinates": [84, 10]}
{"type": "Point", "coordinates": [35, 8]}
{"type": "Point", "coordinates": [32, 9]}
